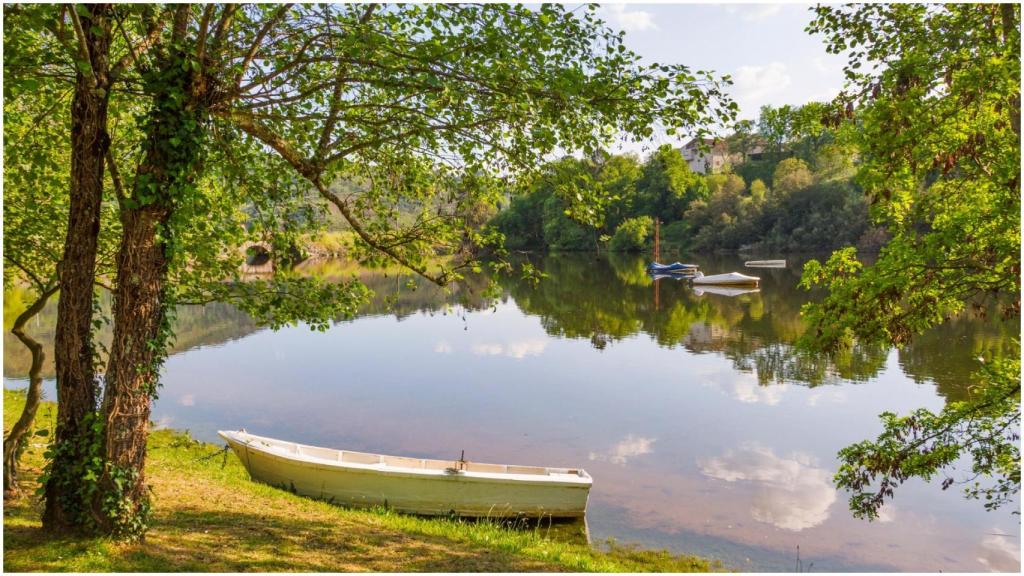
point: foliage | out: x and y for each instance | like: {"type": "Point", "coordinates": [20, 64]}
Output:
{"type": "Point", "coordinates": [522, 222]}
{"type": "Point", "coordinates": [795, 130]}
{"type": "Point", "coordinates": [805, 210]}
{"type": "Point", "coordinates": [633, 235]}
{"type": "Point", "coordinates": [791, 174]}
{"type": "Point", "coordinates": [823, 215]}
{"type": "Point", "coordinates": [561, 233]}
{"type": "Point", "coordinates": [986, 428]}
{"type": "Point", "coordinates": [935, 95]}
{"type": "Point", "coordinates": [80, 482]}
{"type": "Point", "coordinates": [667, 186]}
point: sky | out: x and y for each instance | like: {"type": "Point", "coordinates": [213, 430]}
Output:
{"type": "Point", "coordinates": [764, 47]}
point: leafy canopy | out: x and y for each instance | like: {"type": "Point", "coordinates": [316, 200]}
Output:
{"type": "Point", "coordinates": [934, 91]}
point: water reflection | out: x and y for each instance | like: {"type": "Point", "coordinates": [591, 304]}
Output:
{"type": "Point", "coordinates": [792, 493]}
{"type": "Point", "coordinates": [516, 349]}
{"type": "Point", "coordinates": [705, 429]}
{"type": "Point", "coordinates": [628, 448]}
{"type": "Point", "coordinates": [1000, 552]}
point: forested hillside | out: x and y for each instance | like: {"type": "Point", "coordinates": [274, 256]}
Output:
{"type": "Point", "coordinates": [788, 188]}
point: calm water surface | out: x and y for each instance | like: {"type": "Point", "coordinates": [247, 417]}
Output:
{"type": "Point", "coordinates": [704, 430]}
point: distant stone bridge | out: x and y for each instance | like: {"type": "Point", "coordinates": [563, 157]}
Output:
{"type": "Point", "coordinates": [258, 259]}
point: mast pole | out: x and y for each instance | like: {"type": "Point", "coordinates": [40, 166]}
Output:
{"type": "Point", "coordinates": [657, 240]}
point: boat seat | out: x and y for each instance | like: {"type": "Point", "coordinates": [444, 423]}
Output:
{"type": "Point", "coordinates": [527, 470]}
{"type": "Point", "coordinates": [322, 453]}
{"type": "Point", "coordinates": [360, 457]}
{"type": "Point", "coordinates": [402, 461]}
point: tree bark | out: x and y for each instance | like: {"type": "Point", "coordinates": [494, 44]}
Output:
{"type": "Point", "coordinates": [140, 305]}
{"type": "Point", "coordinates": [133, 368]}
{"type": "Point", "coordinates": [73, 350]}
{"type": "Point", "coordinates": [32, 396]}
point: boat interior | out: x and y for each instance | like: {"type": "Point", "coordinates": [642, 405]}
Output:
{"type": "Point", "coordinates": [367, 458]}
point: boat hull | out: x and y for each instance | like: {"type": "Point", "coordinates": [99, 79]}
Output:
{"type": "Point", "coordinates": [428, 492]}
{"type": "Point", "coordinates": [675, 267]}
{"type": "Point", "coordinates": [730, 279]}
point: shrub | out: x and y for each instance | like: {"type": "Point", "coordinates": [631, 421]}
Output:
{"type": "Point", "coordinates": [632, 235]}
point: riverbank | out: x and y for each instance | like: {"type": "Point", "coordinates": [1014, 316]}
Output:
{"type": "Point", "coordinates": [208, 516]}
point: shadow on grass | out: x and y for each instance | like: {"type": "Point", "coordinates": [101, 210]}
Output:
{"type": "Point", "coordinates": [191, 540]}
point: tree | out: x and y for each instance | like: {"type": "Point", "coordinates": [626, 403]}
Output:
{"type": "Point", "coordinates": [743, 139]}
{"type": "Point", "coordinates": [632, 235]}
{"type": "Point", "coordinates": [935, 94]}
{"type": "Point", "coordinates": [791, 174]}
{"type": "Point", "coordinates": [668, 186]}
{"type": "Point", "coordinates": [775, 126]}
{"type": "Point", "coordinates": [35, 199]}
{"type": "Point", "coordinates": [46, 45]}
{"type": "Point", "coordinates": [414, 101]}
{"type": "Point", "coordinates": [758, 190]}
{"type": "Point", "coordinates": [618, 176]}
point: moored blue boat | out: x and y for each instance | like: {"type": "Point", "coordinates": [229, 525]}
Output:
{"type": "Point", "coordinates": [673, 267]}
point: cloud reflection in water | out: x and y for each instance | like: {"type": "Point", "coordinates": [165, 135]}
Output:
{"type": "Point", "coordinates": [791, 493]}
{"type": "Point", "coordinates": [629, 447]}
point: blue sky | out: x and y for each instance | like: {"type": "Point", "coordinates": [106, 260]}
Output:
{"type": "Point", "coordinates": [763, 46]}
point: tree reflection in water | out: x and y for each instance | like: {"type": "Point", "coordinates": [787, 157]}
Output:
{"type": "Point", "coordinates": [606, 299]}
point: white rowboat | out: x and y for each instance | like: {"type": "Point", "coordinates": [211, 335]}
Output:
{"type": "Point", "coordinates": [730, 279]}
{"type": "Point", "coordinates": [413, 485]}
{"type": "Point", "coordinates": [765, 264]}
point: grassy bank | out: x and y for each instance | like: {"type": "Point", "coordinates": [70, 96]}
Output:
{"type": "Point", "coordinates": [208, 516]}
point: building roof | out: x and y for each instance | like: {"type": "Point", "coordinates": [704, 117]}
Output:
{"type": "Point", "coordinates": [716, 145]}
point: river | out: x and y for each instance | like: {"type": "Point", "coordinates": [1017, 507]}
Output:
{"type": "Point", "coordinates": [704, 429]}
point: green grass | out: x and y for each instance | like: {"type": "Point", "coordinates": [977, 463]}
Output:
{"type": "Point", "coordinates": [208, 516]}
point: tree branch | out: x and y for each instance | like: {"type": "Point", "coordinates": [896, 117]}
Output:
{"type": "Point", "coordinates": [115, 176]}
{"type": "Point", "coordinates": [83, 47]}
{"type": "Point", "coordinates": [134, 51]}
{"type": "Point", "coordinates": [312, 173]}
{"type": "Point", "coordinates": [254, 47]}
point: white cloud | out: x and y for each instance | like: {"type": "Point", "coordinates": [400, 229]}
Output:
{"type": "Point", "coordinates": [518, 349]}
{"type": "Point", "coordinates": [621, 17]}
{"type": "Point", "coordinates": [819, 64]}
{"type": "Point", "coordinates": [629, 447]}
{"type": "Point", "coordinates": [754, 12]}
{"type": "Point", "coordinates": [755, 86]}
{"type": "Point", "coordinates": [791, 493]}
{"type": "Point", "coordinates": [443, 347]}
{"type": "Point", "coordinates": [826, 95]}
{"type": "Point", "coordinates": [188, 400]}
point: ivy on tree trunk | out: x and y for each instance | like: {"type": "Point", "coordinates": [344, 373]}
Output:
{"type": "Point", "coordinates": [73, 348]}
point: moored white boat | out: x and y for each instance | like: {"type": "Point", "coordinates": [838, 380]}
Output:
{"type": "Point", "coordinates": [730, 279]}
{"type": "Point", "coordinates": [725, 290]}
{"type": "Point", "coordinates": [765, 263]}
{"type": "Point", "coordinates": [413, 485]}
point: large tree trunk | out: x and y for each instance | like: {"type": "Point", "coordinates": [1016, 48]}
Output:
{"type": "Point", "coordinates": [32, 397]}
{"type": "Point", "coordinates": [133, 369]}
{"type": "Point", "coordinates": [73, 350]}
{"type": "Point", "coordinates": [173, 148]}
